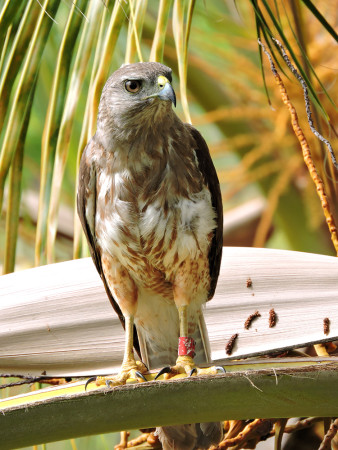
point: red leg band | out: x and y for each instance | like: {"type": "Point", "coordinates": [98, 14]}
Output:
{"type": "Point", "coordinates": [186, 346]}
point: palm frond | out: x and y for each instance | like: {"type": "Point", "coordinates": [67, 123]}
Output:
{"type": "Point", "coordinates": [181, 37]}
{"type": "Point", "coordinates": [86, 44]}
{"type": "Point", "coordinates": [14, 194]}
{"type": "Point", "coordinates": [51, 130]}
{"type": "Point", "coordinates": [21, 95]}
{"type": "Point", "coordinates": [294, 57]}
{"type": "Point", "coordinates": [321, 18]}
{"type": "Point", "coordinates": [157, 48]}
{"type": "Point", "coordinates": [137, 15]}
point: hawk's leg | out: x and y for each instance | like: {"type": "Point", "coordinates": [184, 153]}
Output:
{"type": "Point", "coordinates": [125, 291]}
{"type": "Point", "coordinates": [190, 285]}
{"type": "Point", "coordinates": [185, 362]}
{"type": "Point", "coordinates": [130, 366]}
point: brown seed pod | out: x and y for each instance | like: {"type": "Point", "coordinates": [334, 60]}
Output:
{"type": "Point", "coordinates": [326, 323]}
{"type": "Point", "coordinates": [230, 344]}
{"type": "Point", "coordinates": [248, 321]}
{"type": "Point", "coordinates": [272, 318]}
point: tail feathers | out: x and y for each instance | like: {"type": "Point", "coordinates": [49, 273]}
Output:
{"type": "Point", "coordinates": [210, 433]}
{"type": "Point", "coordinates": [156, 356]}
{"type": "Point", "coordinates": [196, 436]}
{"type": "Point", "coordinates": [158, 331]}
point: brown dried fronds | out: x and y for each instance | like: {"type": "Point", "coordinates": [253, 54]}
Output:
{"type": "Point", "coordinates": [300, 425]}
{"type": "Point", "coordinates": [148, 436]}
{"type": "Point", "coordinates": [153, 440]}
{"type": "Point", "coordinates": [141, 439]}
{"type": "Point", "coordinates": [124, 441]}
{"type": "Point", "coordinates": [231, 113]}
{"type": "Point", "coordinates": [233, 427]}
{"type": "Point", "coordinates": [30, 380]}
{"type": "Point", "coordinates": [249, 436]}
{"type": "Point", "coordinates": [303, 141]}
{"type": "Point", "coordinates": [326, 442]}
{"type": "Point", "coordinates": [145, 437]}
{"type": "Point", "coordinates": [325, 349]}
{"type": "Point", "coordinates": [250, 319]}
{"type": "Point", "coordinates": [280, 186]}
{"type": "Point", "coordinates": [262, 171]}
{"type": "Point", "coordinates": [230, 344]}
{"type": "Point", "coordinates": [330, 347]}
{"type": "Point", "coordinates": [259, 149]}
{"type": "Point", "coordinates": [307, 102]}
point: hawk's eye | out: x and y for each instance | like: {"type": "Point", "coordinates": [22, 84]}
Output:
{"type": "Point", "coordinates": [133, 86]}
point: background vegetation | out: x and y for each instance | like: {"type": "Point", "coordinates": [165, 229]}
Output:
{"type": "Point", "coordinates": [55, 58]}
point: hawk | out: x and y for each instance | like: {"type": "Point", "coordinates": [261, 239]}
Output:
{"type": "Point", "coordinates": [150, 205]}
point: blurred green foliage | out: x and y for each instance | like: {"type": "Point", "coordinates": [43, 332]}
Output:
{"type": "Point", "coordinates": [223, 79]}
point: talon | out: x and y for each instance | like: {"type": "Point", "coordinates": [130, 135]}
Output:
{"type": "Point", "coordinates": [166, 369]}
{"type": "Point", "coordinates": [220, 369]}
{"type": "Point", "coordinates": [140, 375]}
{"type": "Point", "coordinates": [109, 383]}
{"type": "Point", "coordinates": [192, 371]}
{"type": "Point", "coordinates": [90, 380]}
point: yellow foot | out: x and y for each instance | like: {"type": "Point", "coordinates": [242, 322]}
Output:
{"type": "Point", "coordinates": [186, 365]}
{"type": "Point", "coordinates": [131, 369]}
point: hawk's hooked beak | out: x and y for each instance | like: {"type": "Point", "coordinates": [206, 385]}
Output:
{"type": "Point", "coordinates": [166, 90]}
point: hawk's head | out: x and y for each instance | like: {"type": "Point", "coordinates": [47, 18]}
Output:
{"type": "Point", "coordinates": [136, 94]}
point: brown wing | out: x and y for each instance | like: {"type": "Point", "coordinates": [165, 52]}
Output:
{"type": "Point", "coordinates": [209, 173]}
{"type": "Point", "coordinates": [86, 208]}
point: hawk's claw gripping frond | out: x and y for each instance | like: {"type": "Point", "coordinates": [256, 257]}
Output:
{"type": "Point", "coordinates": [166, 369]}
{"type": "Point", "coordinates": [140, 375]}
{"type": "Point", "coordinates": [192, 371]}
{"type": "Point", "coordinates": [90, 380]}
{"type": "Point", "coordinates": [130, 369]}
{"type": "Point", "coordinates": [109, 383]}
{"type": "Point", "coordinates": [186, 365]}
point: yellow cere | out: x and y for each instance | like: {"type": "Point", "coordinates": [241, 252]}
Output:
{"type": "Point", "coordinates": [162, 81]}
